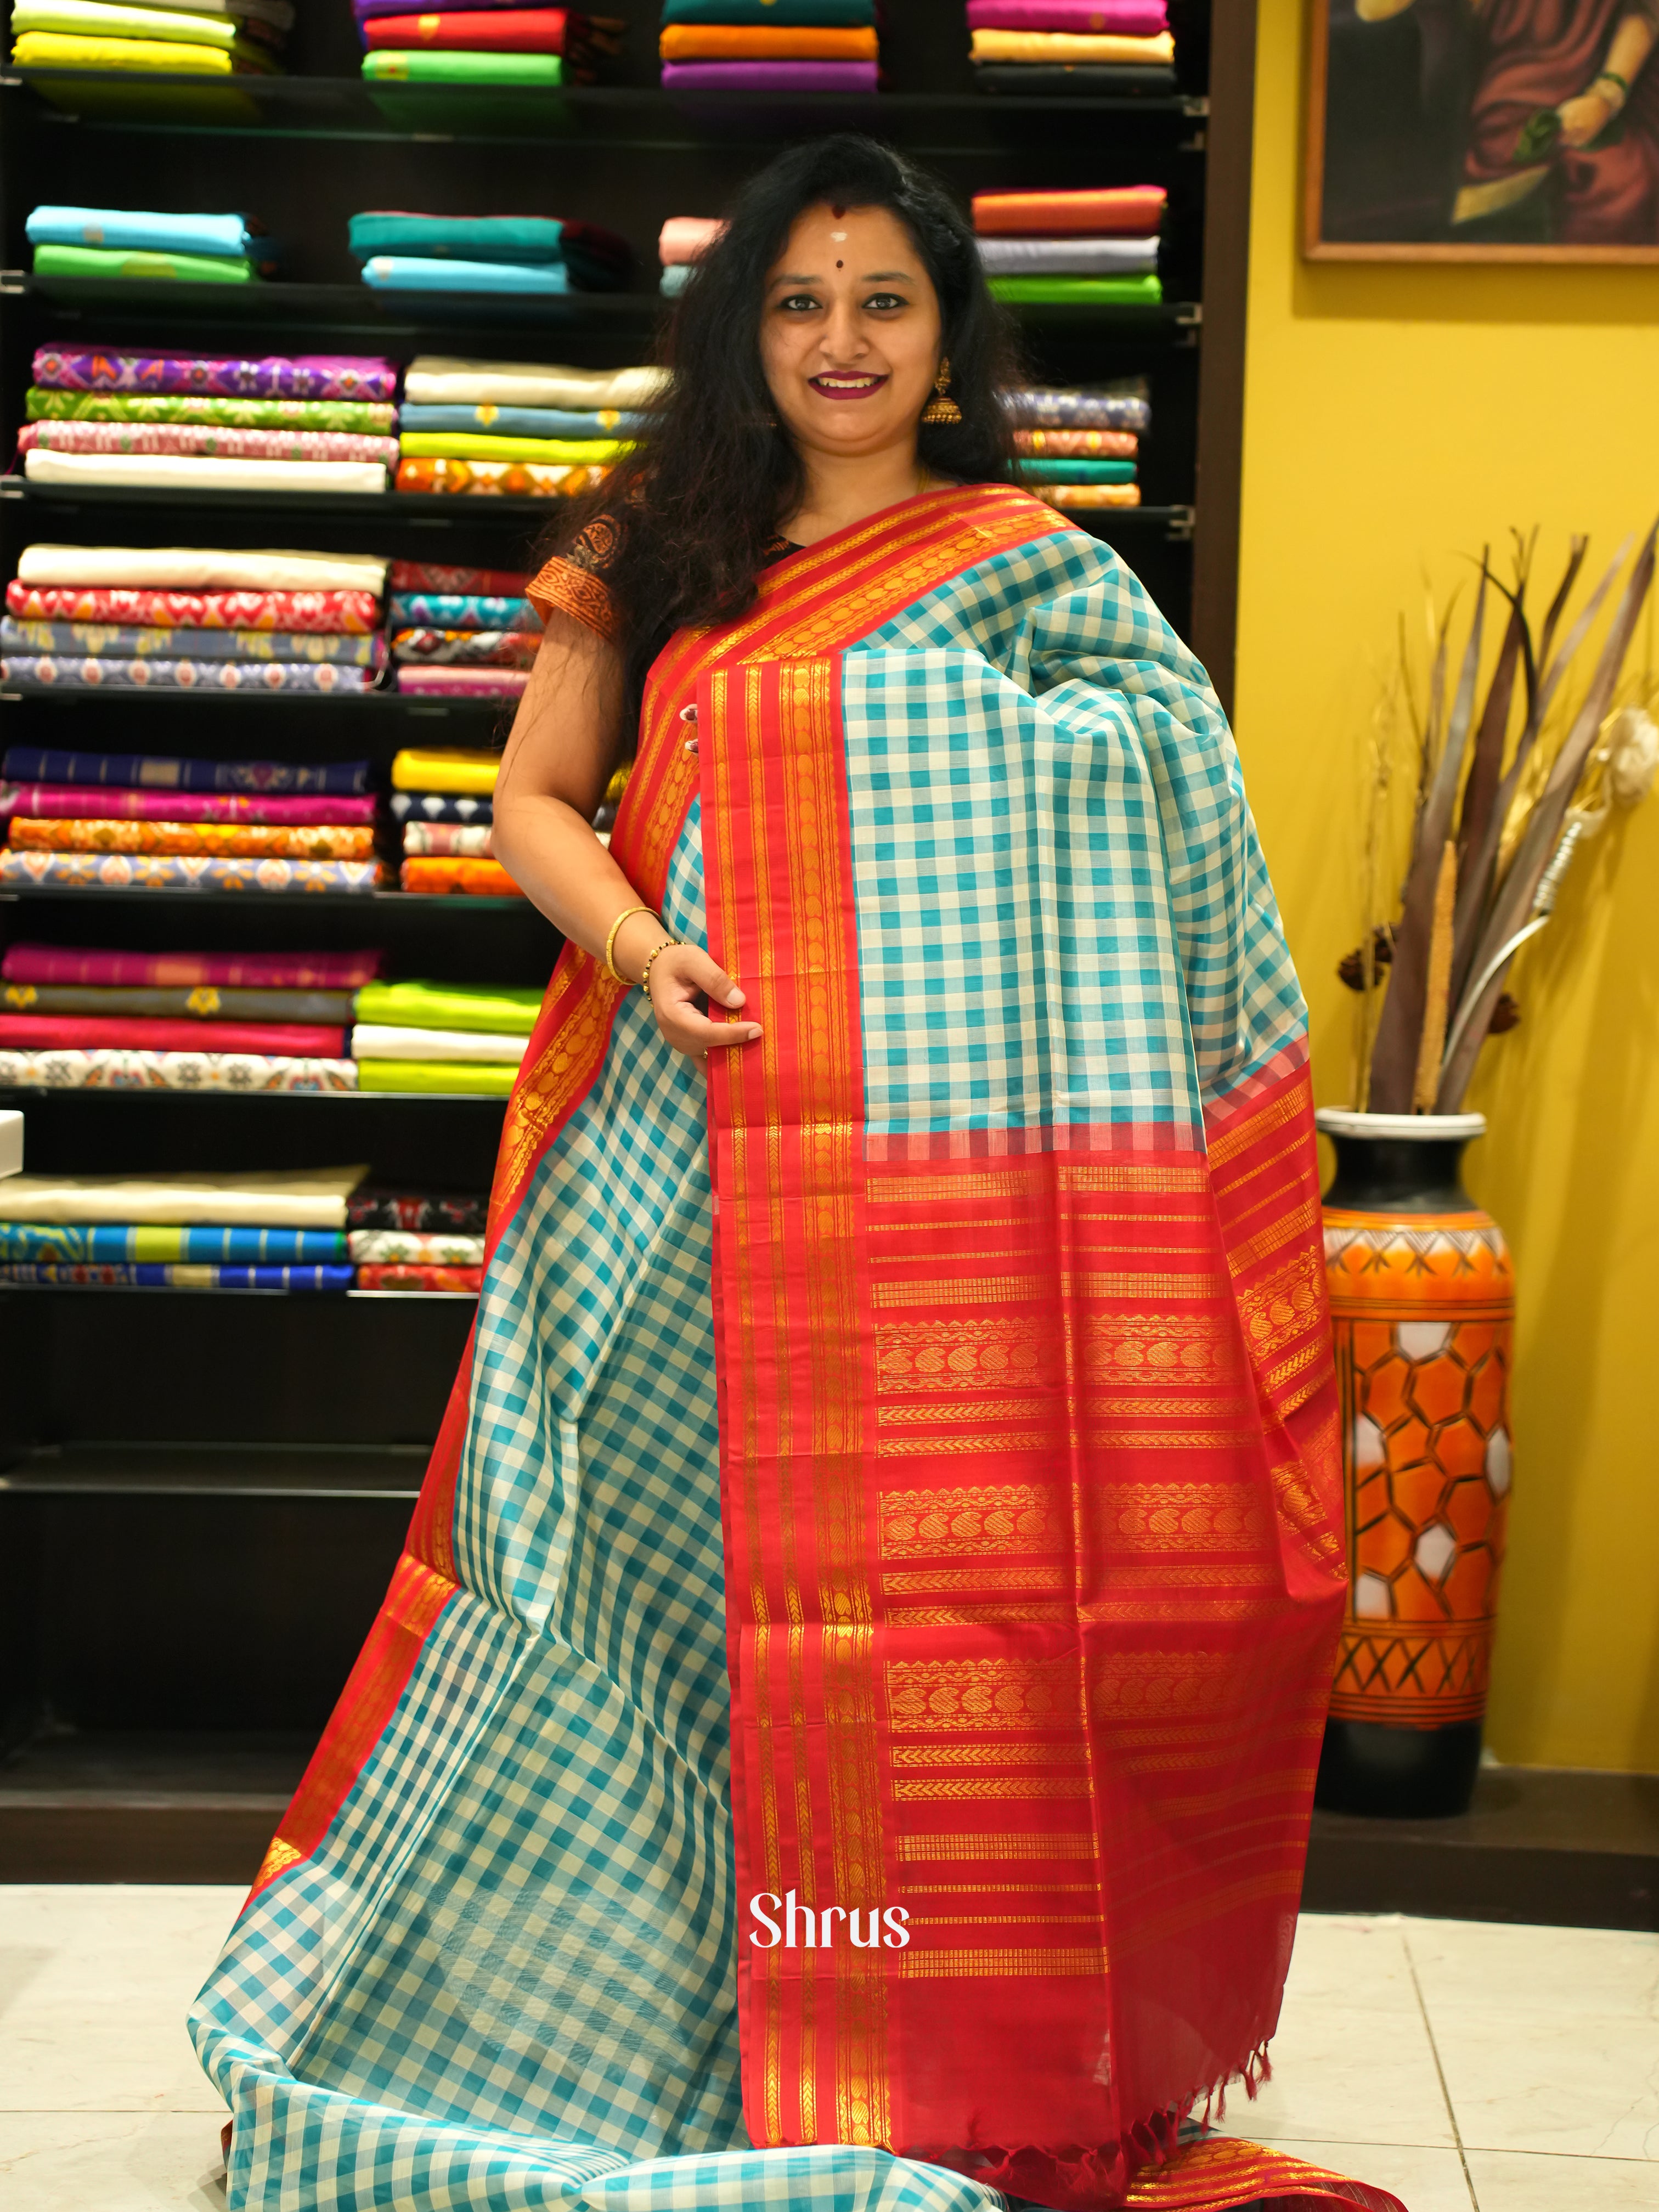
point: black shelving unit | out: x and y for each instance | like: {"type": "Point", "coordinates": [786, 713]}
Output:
{"type": "Point", "coordinates": [203, 1493]}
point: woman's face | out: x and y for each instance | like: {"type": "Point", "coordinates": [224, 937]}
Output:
{"type": "Point", "coordinates": [850, 334]}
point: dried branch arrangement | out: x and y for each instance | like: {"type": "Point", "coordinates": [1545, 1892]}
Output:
{"type": "Point", "coordinates": [1496, 823]}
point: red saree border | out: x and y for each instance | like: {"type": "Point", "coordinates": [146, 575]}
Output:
{"type": "Point", "coordinates": [1165, 1676]}
{"type": "Point", "coordinates": [826, 594]}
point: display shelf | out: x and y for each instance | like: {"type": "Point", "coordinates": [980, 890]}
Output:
{"type": "Point", "coordinates": [379, 707]}
{"type": "Point", "coordinates": [387, 317]}
{"type": "Point", "coordinates": [639, 118]}
{"type": "Point", "coordinates": [390, 317]}
{"type": "Point", "coordinates": [219, 1470]}
{"type": "Point", "coordinates": [437, 508]}
{"type": "Point", "coordinates": [376, 902]}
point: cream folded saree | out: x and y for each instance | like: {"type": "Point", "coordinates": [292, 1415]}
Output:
{"type": "Point", "coordinates": [275, 1198]}
{"type": "Point", "coordinates": [437, 380]}
{"type": "Point", "coordinates": [190, 472]}
{"type": "Point", "coordinates": [199, 568]}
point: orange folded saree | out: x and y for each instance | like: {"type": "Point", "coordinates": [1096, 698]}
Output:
{"type": "Point", "coordinates": [765, 42]}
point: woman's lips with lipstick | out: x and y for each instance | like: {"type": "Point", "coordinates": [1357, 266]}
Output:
{"type": "Point", "coordinates": [856, 384]}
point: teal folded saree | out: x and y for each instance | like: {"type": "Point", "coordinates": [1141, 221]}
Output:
{"type": "Point", "coordinates": [1063, 471]}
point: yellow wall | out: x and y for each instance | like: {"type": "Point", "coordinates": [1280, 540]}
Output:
{"type": "Point", "coordinates": [1396, 418]}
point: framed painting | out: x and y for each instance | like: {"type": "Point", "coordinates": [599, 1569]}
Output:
{"type": "Point", "coordinates": [1483, 130]}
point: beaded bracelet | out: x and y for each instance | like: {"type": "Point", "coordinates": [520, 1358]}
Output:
{"type": "Point", "coordinates": [645, 978]}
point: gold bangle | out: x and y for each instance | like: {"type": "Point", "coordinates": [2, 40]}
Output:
{"type": "Point", "coordinates": [627, 914]}
{"type": "Point", "coordinates": [666, 946]}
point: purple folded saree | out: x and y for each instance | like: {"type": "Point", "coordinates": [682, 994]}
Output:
{"type": "Point", "coordinates": [769, 76]}
{"type": "Point", "coordinates": [217, 376]}
{"type": "Point", "coordinates": [1122, 18]}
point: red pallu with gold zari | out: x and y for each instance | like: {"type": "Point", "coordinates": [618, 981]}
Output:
{"type": "Point", "coordinates": [1029, 1493]}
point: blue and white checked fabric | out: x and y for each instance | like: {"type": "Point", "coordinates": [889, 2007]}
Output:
{"type": "Point", "coordinates": [506, 1978]}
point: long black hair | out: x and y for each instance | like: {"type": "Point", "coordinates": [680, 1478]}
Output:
{"type": "Point", "coordinates": [698, 500]}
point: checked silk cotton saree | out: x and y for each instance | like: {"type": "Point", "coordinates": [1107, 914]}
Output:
{"type": "Point", "coordinates": [891, 1491]}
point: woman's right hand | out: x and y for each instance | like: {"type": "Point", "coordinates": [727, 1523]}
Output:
{"type": "Point", "coordinates": [681, 977]}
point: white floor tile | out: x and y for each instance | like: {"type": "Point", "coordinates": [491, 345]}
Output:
{"type": "Point", "coordinates": [110, 2162]}
{"type": "Point", "coordinates": [1423, 2180]}
{"type": "Point", "coordinates": [1514, 2181]}
{"type": "Point", "coordinates": [102, 1975]}
{"type": "Point", "coordinates": [1345, 1959]}
{"type": "Point", "coordinates": [1342, 2074]}
{"type": "Point", "coordinates": [1585, 2085]}
{"type": "Point", "coordinates": [1482, 1966]}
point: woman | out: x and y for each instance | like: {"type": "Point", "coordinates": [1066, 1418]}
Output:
{"type": "Point", "coordinates": [854, 1252]}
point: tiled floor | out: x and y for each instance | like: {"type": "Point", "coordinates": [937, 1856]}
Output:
{"type": "Point", "coordinates": [1464, 2066]}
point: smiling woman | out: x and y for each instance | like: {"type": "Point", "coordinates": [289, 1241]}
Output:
{"type": "Point", "coordinates": [843, 1731]}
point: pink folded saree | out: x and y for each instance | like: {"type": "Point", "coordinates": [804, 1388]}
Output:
{"type": "Point", "coordinates": [769, 76]}
{"type": "Point", "coordinates": [1124, 19]}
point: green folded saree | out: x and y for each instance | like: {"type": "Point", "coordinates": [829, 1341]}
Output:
{"type": "Point", "coordinates": [477, 1077]}
{"type": "Point", "coordinates": [1049, 469]}
{"type": "Point", "coordinates": [398, 66]}
{"type": "Point", "coordinates": [1077, 291]}
{"type": "Point", "coordinates": [373, 415]}
{"type": "Point", "coordinates": [465, 446]}
{"type": "Point", "coordinates": [449, 1006]}
{"type": "Point", "coordinates": [133, 263]}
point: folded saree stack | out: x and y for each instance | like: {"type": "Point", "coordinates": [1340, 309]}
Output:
{"type": "Point", "coordinates": [141, 245]}
{"type": "Point", "coordinates": [1078, 445]}
{"type": "Point", "coordinates": [1079, 48]}
{"type": "Point", "coordinates": [210, 422]}
{"type": "Point", "coordinates": [457, 633]}
{"type": "Point", "coordinates": [74, 1017]}
{"type": "Point", "coordinates": [681, 243]}
{"type": "Point", "coordinates": [191, 618]}
{"type": "Point", "coordinates": [403, 1240]}
{"type": "Point", "coordinates": [524, 427]}
{"type": "Point", "coordinates": [279, 1230]}
{"type": "Point", "coordinates": [482, 42]}
{"type": "Point", "coordinates": [188, 38]}
{"type": "Point", "coordinates": [443, 802]}
{"type": "Point", "coordinates": [1094, 248]}
{"type": "Point", "coordinates": [462, 1038]}
{"type": "Point", "coordinates": [138, 822]}
{"type": "Point", "coordinates": [522, 254]}
{"type": "Point", "coordinates": [783, 47]}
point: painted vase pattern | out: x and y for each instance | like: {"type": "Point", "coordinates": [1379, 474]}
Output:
{"type": "Point", "coordinates": [1423, 1312]}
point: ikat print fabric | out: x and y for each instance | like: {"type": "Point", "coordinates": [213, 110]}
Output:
{"type": "Point", "coordinates": [170, 1071]}
{"type": "Point", "coordinates": [146, 1276]}
{"type": "Point", "coordinates": [220, 376]}
{"type": "Point", "coordinates": [96, 641]}
{"type": "Point", "coordinates": [138, 872]}
{"type": "Point", "coordinates": [368, 416]}
{"type": "Point", "coordinates": [320, 613]}
{"type": "Point", "coordinates": [46, 672]}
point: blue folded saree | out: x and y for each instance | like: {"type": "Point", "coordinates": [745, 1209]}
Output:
{"type": "Point", "coordinates": [141, 230]}
{"type": "Point", "coordinates": [408, 272]}
{"type": "Point", "coordinates": [527, 422]}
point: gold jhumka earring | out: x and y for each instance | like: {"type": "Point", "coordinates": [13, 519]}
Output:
{"type": "Point", "coordinates": [941, 408]}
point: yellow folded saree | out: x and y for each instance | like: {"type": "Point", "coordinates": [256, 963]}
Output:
{"type": "Point", "coordinates": [1070, 46]}
{"type": "Point", "coordinates": [482, 445]}
{"type": "Point", "coordinates": [746, 42]}
{"type": "Point", "coordinates": [72, 50]}
{"type": "Point", "coordinates": [427, 768]}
